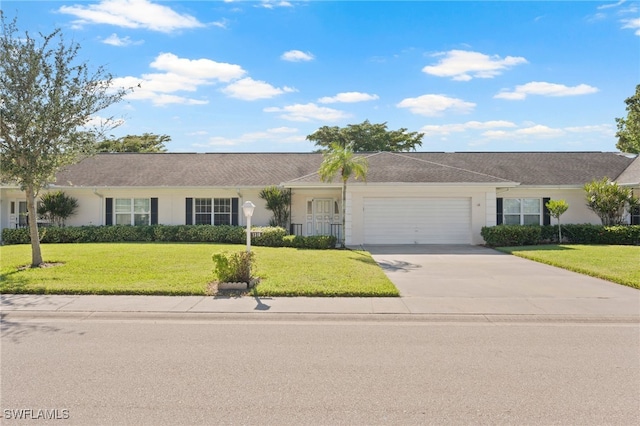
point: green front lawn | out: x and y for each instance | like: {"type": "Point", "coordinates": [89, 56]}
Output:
{"type": "Point", "coordinates": [186, 269]}
{"type": "Point", "coordinates": [620, 264]}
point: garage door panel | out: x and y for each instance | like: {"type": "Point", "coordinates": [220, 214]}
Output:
{"type": "Point", "coordinates": [417, 220]}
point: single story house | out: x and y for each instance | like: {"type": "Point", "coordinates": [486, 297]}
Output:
{"type": "Point", "coordinates": [408, 198]}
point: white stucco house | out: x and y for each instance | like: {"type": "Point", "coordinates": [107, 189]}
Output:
{"type": "Point", "coordinates": [408, 198]}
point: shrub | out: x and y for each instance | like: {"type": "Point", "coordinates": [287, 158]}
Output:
{"type": "Point", "coordinates": [514, 235]}
{"type": "Point", "coordinates": [57, 207]}
{"type": "Point", "coordinates": [268, 236]}
{"type": "Point", "coordinates": [234, 267]}
{"type": "Point", "coordinates": [510, 235]}
{"type": "Point", "coordinates": [318, 242]}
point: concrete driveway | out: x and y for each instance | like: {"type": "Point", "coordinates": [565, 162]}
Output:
{"type": "Point", "coordinates": [474, 279]}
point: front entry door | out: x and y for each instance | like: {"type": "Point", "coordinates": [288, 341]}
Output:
{"type": "Point", "coordinates": [17, 214]}
{"type": "Point", "coordinates": [321, 214]}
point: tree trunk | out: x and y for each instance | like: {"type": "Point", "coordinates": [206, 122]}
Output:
{"type": "Point", "coordinates": [559, 232]}
{"type": "Point", "coordinates": [344, 215]}
{"type": "Point", "coordinates": [36, 255]}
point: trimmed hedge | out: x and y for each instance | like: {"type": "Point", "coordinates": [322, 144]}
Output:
{"type": "Point", "coordinates": [517, 235]}
{"type": "Point", "coordinates": [263, 236]}
{"type": "Point", "coordinates": [318, 242]}
{"type": "Point", "coordinates": [510, 235]}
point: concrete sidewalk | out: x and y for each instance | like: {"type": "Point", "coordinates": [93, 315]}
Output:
{"type": "Point", "coordinates": [543, 306]}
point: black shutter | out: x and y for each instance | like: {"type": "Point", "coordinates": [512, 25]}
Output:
{"type": "Point", "coordinates": [108, 214]}
{"type": "Point", "coordinates": [234, 211]}
{"type": "Point", "coordinates": [635, 216]}
{"type": "Point", "coordinates": [498, 211]}
{"type": "Point", "coordinates": [154, 211]}
{"type": "Point", "coordinates": [189, 212]}
{"type": "Point", "coordinates": [546, 216]}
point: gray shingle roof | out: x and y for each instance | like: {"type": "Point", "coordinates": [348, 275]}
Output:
{"type": "Point", "coordinates": [632, 173]}
{"type": "Point", "coordinates": [262, 169]}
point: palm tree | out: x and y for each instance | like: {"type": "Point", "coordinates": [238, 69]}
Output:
{"type": "Point", "coordinates": [341, 159]}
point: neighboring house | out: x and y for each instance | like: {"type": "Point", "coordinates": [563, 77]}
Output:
{"type": "Point", "coordinates": [408, 198]}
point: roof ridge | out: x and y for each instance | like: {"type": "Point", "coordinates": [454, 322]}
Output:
{"type": "Point", "coordinates": [451, 167]}
{"type": "Point", "coordinates": [317, 172]}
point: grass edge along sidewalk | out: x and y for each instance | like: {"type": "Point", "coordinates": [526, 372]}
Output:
{"type": "Point", "coordinates": [186, 269]}
{"type": "Point", "coordinates": [619, 264]}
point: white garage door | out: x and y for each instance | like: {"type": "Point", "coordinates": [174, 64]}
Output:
{"type": "Point", "coordinates": [417, 220]}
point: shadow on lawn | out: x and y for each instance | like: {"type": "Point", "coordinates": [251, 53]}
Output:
{"type": "Point", "coordinates": [548, 247]}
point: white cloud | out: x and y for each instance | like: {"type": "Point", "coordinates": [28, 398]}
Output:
{"type": "Point", "coordinates": [463, 65]}
{"type": "Point", "coordinates": [223, 23]}
{"type": "Point", "coordinates": [308, 112]}
{"type": "Point", "coordinates": [446, 129]}
{"type": "Point", "coordinates": [605, 129]}
{"type": "Point", "coordinates": [132, 14]}
{"type": "Point", "coordinates": [610, 5]}
{"type": "Point", "coordinates": [536, 131]}
{"type": "Point", "coordinates": [115, 40]}
{"type": "Point", "coordinates": [282, 130]}
{"type": "Point", "coordinates": [249, 89]}
{"type": "Point", "coordinates": [200, 69]}
{"type": "Point", "coordinates": [296, 56]}
{"type": "Point", "coordinates": [275, 135]}
{"type": "Point", "coordinates": [348, 97]}
{"type": "Point", "coordinates": [188, 75]}
{"type": "Point", "coordinates": [98, 122]}
{"type": "Point", "coordinates": [180, 74]}
{"type": "Point", "coordinates": [271, 4]}
{"type": "Point", "coordinates": [545, 89]}
{"type": "Point", "coordinates": [633, 24]}
{"type": "Point", "coordinates": [434, 105]}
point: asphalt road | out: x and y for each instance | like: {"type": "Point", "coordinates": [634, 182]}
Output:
{"type": "Point", "coordinates": [296, 369]}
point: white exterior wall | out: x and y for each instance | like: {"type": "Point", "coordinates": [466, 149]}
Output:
{"type": "Point", "coordinates": [171, 203]}
{"type": "Point", "coordinates": [578, 211]}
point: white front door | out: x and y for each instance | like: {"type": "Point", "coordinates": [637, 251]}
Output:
{"type": "Point", "coordinates": [17, 214]}
{"type": "Point", "coordinates": [321, 214]}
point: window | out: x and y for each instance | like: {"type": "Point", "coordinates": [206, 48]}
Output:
{"type": "Point", "coordinates": [133, 211]}
{"type": "Point", "coordinates": [222, 211]}
{"type": "Point", "coordinates": [203, 211]}
{"type": "Point", "coordinates": [522, 211]}
{"type": "Point", "coordinates": [216, 211]}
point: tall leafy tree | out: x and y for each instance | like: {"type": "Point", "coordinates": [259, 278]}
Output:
{"type": "Point", "coordinates": [366, 137]}
{"type": "Point", "coordinates": [342, 161]}
{"type": "Point", "coordinates": [609, 200]}
{"type": "Point", "coordinates": [629, 128]}
{"type": "Point", "coordinates": [47, 99]}
{"type": "Point", "coordinates": [147, 142]}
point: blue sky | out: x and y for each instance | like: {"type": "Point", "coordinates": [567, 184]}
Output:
{"type": "Point", "coordinates": [259, 76]}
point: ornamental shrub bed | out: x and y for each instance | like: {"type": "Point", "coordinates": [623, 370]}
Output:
{"type": "Point", "coordinates": [223, 234]}
{"type": "Point", "coordinates": [518, 235]}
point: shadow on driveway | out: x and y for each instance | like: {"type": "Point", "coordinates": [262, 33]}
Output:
{"type": "Point", "coordinates": [431, 249]}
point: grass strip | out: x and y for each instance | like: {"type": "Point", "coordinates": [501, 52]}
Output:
{"type": "Point", "coordinates": [186, 269]}
{"type": "Point", "coordinates": [619, 264]}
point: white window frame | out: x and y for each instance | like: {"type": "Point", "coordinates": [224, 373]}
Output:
{"type": "Point", "coordinates": [524, 213]}
{"type": "Point", "coordinates": [137, 216]}
{"type": "Point", "coordinates": [219, 209]}
{"type": "Point", "coordinates": [202, 210]}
